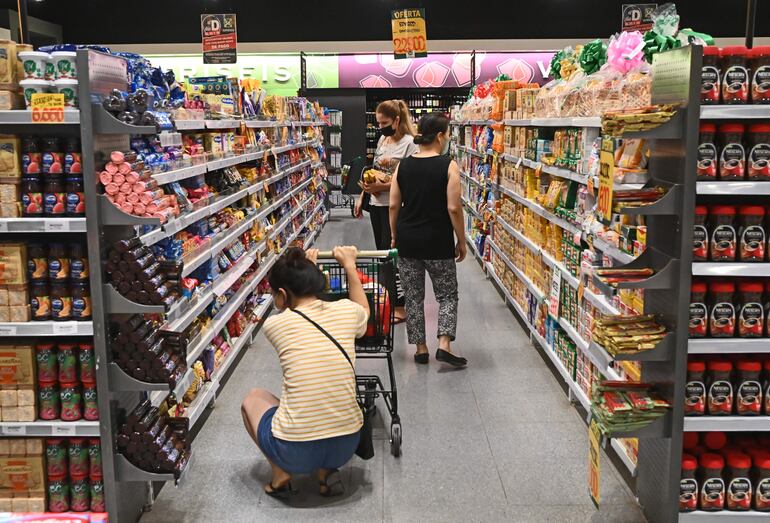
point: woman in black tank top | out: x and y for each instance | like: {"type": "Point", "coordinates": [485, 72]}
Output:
{"type": "Point", "coordinates": [425, 216]}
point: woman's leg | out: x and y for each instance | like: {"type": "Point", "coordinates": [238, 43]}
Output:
{"type": "Point", "coordinates": [254, 406]}
{"type": "Point", "coordinates": [443, 276]}
{"type": "Point", "coordinates": [382, 241]}
{"type": "Point", "coordinates": [413, 276]}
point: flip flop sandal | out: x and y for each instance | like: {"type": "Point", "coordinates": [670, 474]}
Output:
{"type": "Point", "coordinates": [283, 493]}
{"type": "Point", "coordinates": [333, 485]}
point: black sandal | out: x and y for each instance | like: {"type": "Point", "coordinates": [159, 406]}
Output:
{"type": "Point", "coordinates": [421, 357]}
{"type": "Point", "coordinates": [283, 493]}
{"type": "Point", "coordinates": [332, 486]}
{"type": "Point", "coordinates": [451, 359]}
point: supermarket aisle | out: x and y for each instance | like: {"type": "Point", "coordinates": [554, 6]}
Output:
{"type": "Point", "coordinates": [497, 441]}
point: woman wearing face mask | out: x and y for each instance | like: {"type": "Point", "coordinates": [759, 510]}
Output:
{"type": "Point", "coordinates": [425, 215]}
{"type": "Point", "coordinates": [396, 143]}
{"type": "Point", "coordinates": [315, 426]}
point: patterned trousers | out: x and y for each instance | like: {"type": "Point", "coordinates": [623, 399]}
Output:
{"type": "Point", "coordinates": [443, 275]}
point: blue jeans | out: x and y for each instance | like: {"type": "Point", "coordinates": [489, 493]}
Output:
{"type": "Point", "coordinates": [304, 457]}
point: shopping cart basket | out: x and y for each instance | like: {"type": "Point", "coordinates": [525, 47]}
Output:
{"type": "Point", "coordinates": [376, 269]}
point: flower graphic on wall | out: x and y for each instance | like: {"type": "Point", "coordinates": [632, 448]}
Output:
{"type": "Point", "coordinates": [517, 69]}
{"type": "Point", "coordinates": [431, 74]}
{"type": "Point", "coordinates": [461, 67]}
{"type": "Point", "coordinates": [398, 68]}
{"type": "Point", "coordinates": [374, 81]}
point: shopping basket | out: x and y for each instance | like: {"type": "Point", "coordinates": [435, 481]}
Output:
{"type": "Point", "coordinates": [376, 270]}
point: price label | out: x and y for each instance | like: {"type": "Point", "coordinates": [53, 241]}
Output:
{"type": "Point", "coordinates": [14, 430]}
{"type": "Point", "coordinates": [64, 430]}
{"type": "Point", "coordinates": [7, 330]}
{"type": "Point", "coordinates": [553, 301]}
{"type": "Point", "coordinates": [53, 225]}
{"type": "Point", "coordinates": [65, 328]}
{"type": "Point", "coordinates": [606, 177]}
{"type": "Point", "coordinates": [47, 108]}
{"type": "Point", "coordinates": [410, 37]}
{"type": "Point", "coordinates": [3, 226]}
{"type": "Point", "coordinates": [518, 164]}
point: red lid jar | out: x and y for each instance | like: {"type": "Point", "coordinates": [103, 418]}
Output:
{"type": "Point", "coordinates": [700, 235]}
{"type": "Point", "coordinates": [688, 485]}
{"type": "Point", "coordinates": [758, 155]}
{"type": "Point", "coordinates": [712, 493]}
{"type": "Point", "coordinates": [707, 169]}
{"type": "Point", "coordinates": [699, 313]}
{"type": "Point", "coordinates": [723, 244]}
{"type": "Point", "coordinates": [720, 388]}
{"type": "Point", "coordinates": [762, 483]}
{"type": "Point", "coordinates": [738, 491]}
{"type": "Point", "coordinates": [751, 233]}
{"type": "Point", "coordinates": [732, 156]}
{"type": "Point", "coordinates": [721, 309]}
{"type": "Point", "coordinates": [748, 389]}
{"type": "Point", "coordinates": [710, 76]}
{"type": "Point", "coordinates": [735, 75]}
{"type": "Point", "coordinates": [695, 390]}
{"type": "Point", "coordinates": [760, 76]}
{"type": "Point", "coordinates": [749, 311]}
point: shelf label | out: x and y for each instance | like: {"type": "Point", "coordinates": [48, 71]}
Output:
{"type": "Point", "coordinates": [410, 37]}
{"type": "Point", "coordinates": [606, 171]}
{"type": "Point", "coordinates": [65, 328]}
{"type": "Point", "coordinates": [7, 330]}
{"type": "Point", "coordinates": [3, 226]}
{"type": "Point", "coordinates": [64, 430]}
{"type": "Point", "coordinates": [14, 430]}
{"type": "Point", "coordinates": [47, 107]}
{"type": "Point", "coordinates": [518, 164]}
{"type": "Point", "coordinates": [54, 225]}
{"type": "Point", "coordinates": [553, 300]}
{"type": "Point", "coordinates": [594, 461]}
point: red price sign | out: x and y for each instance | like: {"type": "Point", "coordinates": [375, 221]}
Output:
{"type": "Point", "coordinates": [410, 38]}
{"type": "Point", "coordinates": [410, 45]}
{"type": "Point", "coordinates": [47, 107]}
{"type": "Point", "coordinates": [606, 169]}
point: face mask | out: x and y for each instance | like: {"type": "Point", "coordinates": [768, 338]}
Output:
{"type": "Point", "coordinates": [387, 131]}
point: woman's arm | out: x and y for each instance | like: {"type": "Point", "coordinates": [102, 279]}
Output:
{"type": "Point", "coordinates": [395, 207]}
{"type": "Point", "coordinates": [346, 256]}
{"type": "Point", "coordinates": [455, 208]}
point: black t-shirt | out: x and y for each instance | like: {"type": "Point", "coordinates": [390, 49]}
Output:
{"type": "Point", "coordinates": [424, 228]}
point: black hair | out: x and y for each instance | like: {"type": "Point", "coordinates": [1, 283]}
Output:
{"type": "Point", "coordinates": [430, 126]}
{"type": "Point", "coordinates": [296, 274]}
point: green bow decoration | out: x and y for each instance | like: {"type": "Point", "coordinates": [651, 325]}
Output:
{"type": "Point", "coordinates": [688, 36]}
{"type": "Point", "coordinates": [555, 69]}
{"type": "Point", "coordinates": [593, 56]}
{"type": "Point", "coordinates": [655, 43]}
{"type": "Point", "coordinates": [502, 78]}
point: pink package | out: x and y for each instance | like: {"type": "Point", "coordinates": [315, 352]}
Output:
{"type": "Point", "coordinates": [132, 177]}
{"type": "Point", "coordinates": [111, 188]}
{"type": "Point", "coordinates": [132, 198]}
{"type": "Point", "coordinates": [124, 168]}
{"type": "Point", "coordinates": [118, 178]}
{"type": "Point", "coordinates": [111, 168]}
{"type": "Point", "coordinates": [127, 208]}
{"type": "Point", "coordinates": [125, 188]}
{"type": "Point", "coordinates": [105, 177]}
{"type": "Point", "coordinates": [139, 209]}
{"type": "Point", "coordinates": [120, 198]}
{"type": "Point", "coordinates": [117, 157]}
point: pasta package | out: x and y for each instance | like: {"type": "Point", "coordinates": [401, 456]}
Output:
{"type": "Point", "coordinates": [7, 62]}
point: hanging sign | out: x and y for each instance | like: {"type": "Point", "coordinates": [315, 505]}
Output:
{"type": "Point", "coordinates": [410, 38]}
{"type": "Point", "coordinates": [47, 107]}
{"type": "Point", "coordinates": [606, 177]}
{"type": "Point", "coordinates": [638, 17]}
{"type": "Point", "coordinates": [594, 461]}
{"type": "Point", "coordinates": [220, 39]}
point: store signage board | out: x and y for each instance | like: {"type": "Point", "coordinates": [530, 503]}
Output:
{"type": "Point", "coordinates": [606, 168]}
{"type": "Point", "coordinates": [671, 76]}
{"type": "Point", "coordinates": [638, 17]}
{"type": "Point", "coordinates": [220, 39]}
{"type": "Point", "coordinates": [410, 36]}
{"type": "Point", "coordinates": [594, 461]}
{"type": "Point", "coordinates": [47, 108]}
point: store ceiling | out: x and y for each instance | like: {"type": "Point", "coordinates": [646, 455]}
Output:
{"type": "Point", "coordinates": [178, 21]}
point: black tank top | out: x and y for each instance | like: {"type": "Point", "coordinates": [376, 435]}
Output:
{"type": "Point", "coordinates": [424, 229]}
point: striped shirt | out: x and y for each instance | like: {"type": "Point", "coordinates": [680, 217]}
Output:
{"type": "Point", "coordinates": [318, 397]}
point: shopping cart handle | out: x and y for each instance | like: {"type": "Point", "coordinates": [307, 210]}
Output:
{"type": "Point", "coordinates": [391, 253]}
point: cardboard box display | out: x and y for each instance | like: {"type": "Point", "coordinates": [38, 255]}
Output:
{"type": "Point", "coordinates": [17, 367]}
{"type": "Point", "coordinates": [22, 473]}
{"type": "Point", "coordinates": [10, 164]}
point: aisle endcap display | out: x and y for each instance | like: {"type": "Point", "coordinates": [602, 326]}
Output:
{"type": "Point", "coordinates": [106, 123]}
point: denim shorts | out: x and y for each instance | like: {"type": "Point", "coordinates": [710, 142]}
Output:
{"type": "Point", "coordinates": [304, 457]}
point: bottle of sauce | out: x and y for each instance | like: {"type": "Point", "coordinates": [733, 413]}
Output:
{"type": "Point", "coordinates": [61, 302]}
{"type": "Point", "coordinates": [40, 301]}
{"type": "Point", "coordinates": [72, 157]}
{"type": "Point", "coordinates": [688, 485]}
{"type": "Point", "coordinates": [739, 492]}
{"type": "Point", "coordinates": [712, 493]}
{"type": "Point", "coordinates": [37, 262]}
{"type": "Point", "coordinates": [710, 83]}
{"type": "Point", "coordinates": [720, 388]}
{"type": "Point", "coordinates": [81, 301]}
{"type": "Point", "coordinates": [76, 200]}
{"type": "Point", "coordinates": [695, 392]}
{"type": "Point", "coordinates": [58, 263]}
{"type": "Point", "coordinates": [722, 309]}
{"type": "Point", "coordinates": [735, 75]}
{"type": "Point", "coordinates": [78, 262]}
{"type": "Point", "coordinates": [723, 244]}
{"type": "Point", "coordinates": [748, 388]}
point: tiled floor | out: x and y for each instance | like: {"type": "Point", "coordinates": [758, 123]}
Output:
{"type": "Point", "coordinates": [497, 441]}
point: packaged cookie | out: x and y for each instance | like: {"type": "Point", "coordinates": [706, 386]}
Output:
{"type": "Point", "coordinates": [7, 62]}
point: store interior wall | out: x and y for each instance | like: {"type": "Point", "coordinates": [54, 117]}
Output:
{"type": "Point", "coordinates": [352, 103]}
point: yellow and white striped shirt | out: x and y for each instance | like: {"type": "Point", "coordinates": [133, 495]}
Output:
{"type": "Point", "coordinates": [318, 398]}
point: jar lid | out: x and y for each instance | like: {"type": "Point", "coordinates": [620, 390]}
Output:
{"type": "Point", "coordinates": [690, 440]}
{"type": "Point", "coordinates": [720, 366]}
{"type": "Point", "coordinates": [722, 286]}
{"type": "Point", "coordinates": [696, 366]}
{"type": "Point", "coordinates": [710, 460]}
{"type": "Point", "coordinates": [701, 210]}
{"type": "Point", "coordinates": [69, 384]}
{"type": "Point", "coordinates": [689, 462]}
{"type": "Point", "coordinates": [762, 462]}
{"type": "Point", "coordinates": [715, 440]}
{"type": "Point", "coordinates": [751, 286]}
{"type": "Point", "coordinates": [759, 128]}
{"type": "Point", "coordinates": [722, 209]}
{"type": "Point", "coordinates": [54, 441]}
{"type": "Point", "coordinates": [711, 50]}
{"type": "Point", "coordinates": [732, 128]}
{"type": "Point", "coordinates": [698, 286]}
{"type": "Point", "coordinates": [44, 346]}
{"type": "Point", "coordinates": [706, 127]}
{"type": "Point", "coordinates": [739, 461]}
{"type": "Point", "coordinates": [767, 365]}
{"type": "Point", "coordinates": [734, 50]}
{"type": "Point", "coordinates": [762, 50]}
{"type": "Point", "coordinates": [749, 365]}
{"type": "Point", "coordinates": [751, 210]}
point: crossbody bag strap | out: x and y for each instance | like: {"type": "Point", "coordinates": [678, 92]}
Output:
{"type": "Point", "coordinates": [328, 336]}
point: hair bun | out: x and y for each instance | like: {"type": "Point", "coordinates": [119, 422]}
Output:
{"type": "Point", "coordinates": [418, 139]}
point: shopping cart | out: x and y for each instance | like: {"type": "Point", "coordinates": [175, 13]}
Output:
{"type": "Point", "coordinates": [376, 269]}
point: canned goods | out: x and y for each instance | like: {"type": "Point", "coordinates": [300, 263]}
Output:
{"type": "Point", "coordinates": [48, 400]}
{"type": "Point", "coordinates": [78, 454]}
{"type": "Point", "coordinates": [56, 457]}
{"type": "Point", "coordinates": [68, 362]}
{"type": "Point", "coordinates": [71, 401]}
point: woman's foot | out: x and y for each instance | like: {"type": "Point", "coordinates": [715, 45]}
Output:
{"type": "Point", "coordinates": [421, 357]}
{"type": "Point", "coordinates": [279, 490]}
{"type": "Point", "coordinates": [399, 315]}
{"type": "Point", "coordinates": [330, 483]}
{"type": "Point", "coordinates": [451, 359]}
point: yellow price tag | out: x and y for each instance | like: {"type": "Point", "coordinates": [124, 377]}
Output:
{"type": "Point", "coordinates": [594, 461]}
{"type": "Point", "coordinates": [410, 37]}
{"type": "Point", "coordinates": [47, 107]}
{"type": "Point", "coordinates": [606, 180]}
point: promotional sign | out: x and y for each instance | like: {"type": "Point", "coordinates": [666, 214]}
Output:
{"type": "Point", "coordinates": [553, 299]}
{"type": "Point", "coordinates": [47, 107]}
{"type": "Point", "coordinates": [594, 461]}
{"type": "Point", "coordinates": [638, 17]}
{"type": "Point", "coordinates": [220, 39]}
{"type": "Point", "coordinates": [410, 38]}
{"type": "Point", "coordinates": [606, 176]}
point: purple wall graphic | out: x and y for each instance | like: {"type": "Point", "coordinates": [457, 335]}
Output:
{"type": "Point", "coordinates": [440, 70]}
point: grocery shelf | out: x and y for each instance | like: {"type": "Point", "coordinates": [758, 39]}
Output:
{"type": "Point", "coordinates": [470, 207]}
{"type": "Point", "coordinates": [474, 152]}
{"type": "Point", "coordinates": [31, 225]}
{"type": "Point", "coordinates": [47, 328]}
{"type": "Point", "coordinates": [229, 123]}
{"type": "Point", "coordinates": [24, 117]}
{"type": "Point", "coordinates": [733, 112]}
{"type": "Point", "coordinates": [202, 400]}
{"type": "Point", "coordinates": [471, 179]}
{"type": "Point", "coordinates": [54, 428]}
{"type": "Point", "coordinates": [728, 345]}
{"type": "Point", "coordinates": [548, 169]}
{"type": "Point", "coordinates": [180, 174]}
{"type": "Point", "coordinates": [730, 269]}
{"type": "Point", "coordinates": [229, 161]}
{"type": "Point", "coordinates": [539, 294]}
{"type": "Point", "coordinates": [189, 125]}
{"type": "Point", "coordinates": [724, 516]}
{"type": "Point", "coordinates": [106, 123]}
{"type": "Point", "coordinates": [286, 148]}
{"type": "Point", "coordinates": [111, 214]}
{"type": "Point", "coordinates": [127, 471]}
{"type": "Point", "coordinates": [734, 188]}
{"type": "Point", "coordinates": [540, 210]}
{"type": "Point", "coordinates": [612, 251]}
{"type": "Point", "coordinates": [122, 382]}
{"type": "Point", "coordinates": [598, 356]}
{"type": "Point", "coordinates": [726, 423]}
{"type": "Point", "coordinates": [622, 453]}
{"type": "Point", "coordinates": [116, 303]}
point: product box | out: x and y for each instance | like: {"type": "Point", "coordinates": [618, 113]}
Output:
{"type": "Point", "coordinates": [22, 474]}
{"type": "Point", "coordinates": [11, 100]}
{"type": "Point", "coordinates": [8, 62]}
{"type": "Point", "coordinates": [10, 166]}
{"type": "Point", "coordinates": [13, 264]}
{"type": "Point", "coordinates": [17, 366]}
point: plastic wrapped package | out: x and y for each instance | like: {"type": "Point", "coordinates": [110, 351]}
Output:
{"type": "Point", "coordinates": [636, 88]}
{"type": "Point", "coordinates": [571, 102]}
